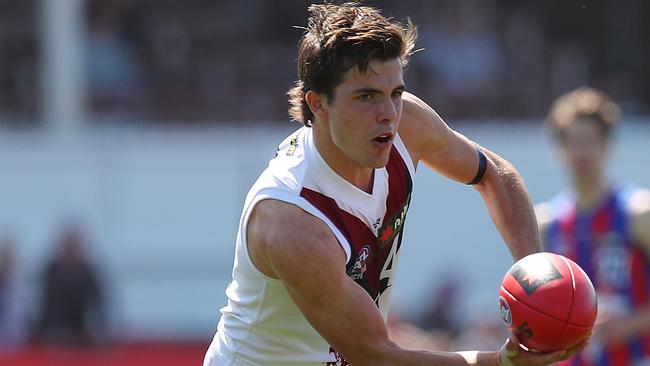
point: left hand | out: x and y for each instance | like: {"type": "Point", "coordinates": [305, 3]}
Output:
{"type": "Point", "coordinates": [512, 354]}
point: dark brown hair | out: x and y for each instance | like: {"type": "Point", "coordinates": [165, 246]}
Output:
{"type": "Point", "coordinates": [586, 104]}
{"type": "Point", "coordinates": [338, 38]}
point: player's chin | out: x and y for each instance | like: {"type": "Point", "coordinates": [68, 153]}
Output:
{"type": "Point", "coordinates": [379, 155]}
{"type": "Point", "coordinates": [378, 161]}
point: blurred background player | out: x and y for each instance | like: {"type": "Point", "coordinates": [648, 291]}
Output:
{"type": "Point", "coordinates": [604, 226]}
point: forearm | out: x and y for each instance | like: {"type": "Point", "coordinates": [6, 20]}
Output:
{"type": "Point", "coordinates": [399, 356]}
{"type": "Point", "coordinates": [509, 205]}
{"type": "Point", "coordinates": [363, 340]}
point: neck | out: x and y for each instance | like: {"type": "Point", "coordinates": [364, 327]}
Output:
{"type": "Point", "coordinates": [589, 190]}
{"type": "Point", "coordinates": [359, 176]}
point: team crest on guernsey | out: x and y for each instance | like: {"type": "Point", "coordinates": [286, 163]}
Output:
{"type": "Point", "coordinates": [612, 262]}
{"type": "Point", "coordinates": [359, 268]}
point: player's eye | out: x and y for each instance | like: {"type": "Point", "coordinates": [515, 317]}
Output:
{"type": "Point", "coordinates": [366, 97]}
{"type": "Point", "coordinates": [397, 93]}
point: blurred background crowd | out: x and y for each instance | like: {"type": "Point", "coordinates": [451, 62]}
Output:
{"type": "Point", "coordinates": [171, 109]}
{"type": "Point", "coordinates": [187, 62]}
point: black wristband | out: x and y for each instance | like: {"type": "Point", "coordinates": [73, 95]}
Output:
{"type": "Point", "coordinates": [482, 165]}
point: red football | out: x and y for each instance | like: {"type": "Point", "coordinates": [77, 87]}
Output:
{"type": "Point", "coordinates": [548, 302]}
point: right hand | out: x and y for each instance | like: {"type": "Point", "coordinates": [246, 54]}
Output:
{"type": "Point", "coordinates": [512, 354]}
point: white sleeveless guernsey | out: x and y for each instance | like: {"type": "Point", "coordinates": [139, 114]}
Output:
{"type": "Point", "coordinates": [261, 325]}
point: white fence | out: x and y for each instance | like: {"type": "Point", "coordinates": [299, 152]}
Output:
{"type": "Point", "coordinates": [161, 207]}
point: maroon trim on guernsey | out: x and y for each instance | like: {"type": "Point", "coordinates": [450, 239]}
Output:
{"type": "Point", "coordinates": [368, 252]}
{"type": "Point", "coordinates": [399, 182]}
{"type": "Point", "coordinates": [357, 232]}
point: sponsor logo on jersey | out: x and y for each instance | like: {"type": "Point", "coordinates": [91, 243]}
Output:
{"type": "Point", "coordinates": [536, 274]}
{"type": "Point", "coordinates": [504, 311]}
{"type": "Point", "coordinates": [359, 268]}
{"type": "Point", "coordinates": [392, 227]}
{"type": "Point", "coordinates": [292, 146]}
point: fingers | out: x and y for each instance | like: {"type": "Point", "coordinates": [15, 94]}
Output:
{"type": "Point", "coordinates": [573, 351]}
{"type": "Point", "coordinates": [511, 355]}
{"type": "Point", "coordinates": [509, 350]}
{"type": "Point", "coordinates": [566, 354]}
{"type": "Point", "coordinates": [512, 346]}
{"type": "Point", "coordinates": [513, 340]}
{"type": "Point", "coordinates": [555, 356]}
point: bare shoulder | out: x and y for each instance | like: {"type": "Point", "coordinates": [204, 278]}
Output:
{"type": "Point", "coordinates": [421, 127]}
{"type": "Point", "coordinates": [279, 233]}
{"type": "Point", "coordinates": [639, 211]}
{"type": "Point", "coordinates": [429, 140]}
{"type": "Point", "coordinates": [417, 115]}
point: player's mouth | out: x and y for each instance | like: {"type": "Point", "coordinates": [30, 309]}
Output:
{"type": "Point", "coordinates": [383, 140]}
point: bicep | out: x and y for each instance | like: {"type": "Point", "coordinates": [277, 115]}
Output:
{"type": "Point", "coordinates": [430, 140]}
{"type": "Point", "coordinates": [309, 261]}
{"type": "Point", "coordinates": [456, 159]}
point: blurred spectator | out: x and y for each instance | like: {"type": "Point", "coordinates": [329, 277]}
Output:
{"type": "Point", "coordinates": [441, 311]}
{"type": "Point", "coordinates": [485, 330]}
{"type": "Point", "coordinates": [115, 77]}
{"type": "Point", "coordinates": [465, 60]}
{"type": "Point", "coordinates": [18, 62]}
{"type": "Point", "coordinates": [569, 68]}
{"type": "Point", "coordinates": [192, 61]}
{"type": "Point", "coordinates": [523, 44]}
{"type": "Point", "coordinates": [13, 317]}
{"type": "Point", "coordinates": [410, 336]}
{"type": "Point", "coordinates": [72, 311]}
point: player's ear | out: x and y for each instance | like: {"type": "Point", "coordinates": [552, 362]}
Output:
{"type": "Point", "coordinates": [317, 103]}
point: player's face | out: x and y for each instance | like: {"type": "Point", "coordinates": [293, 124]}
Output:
{"type": "Point", "coordinates": [364, 113]}
{"type": "Point", "coordinates": [585, 149]}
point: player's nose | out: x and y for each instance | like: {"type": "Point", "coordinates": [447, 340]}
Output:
{"type": "Point", "coordinates": [387, 111]}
